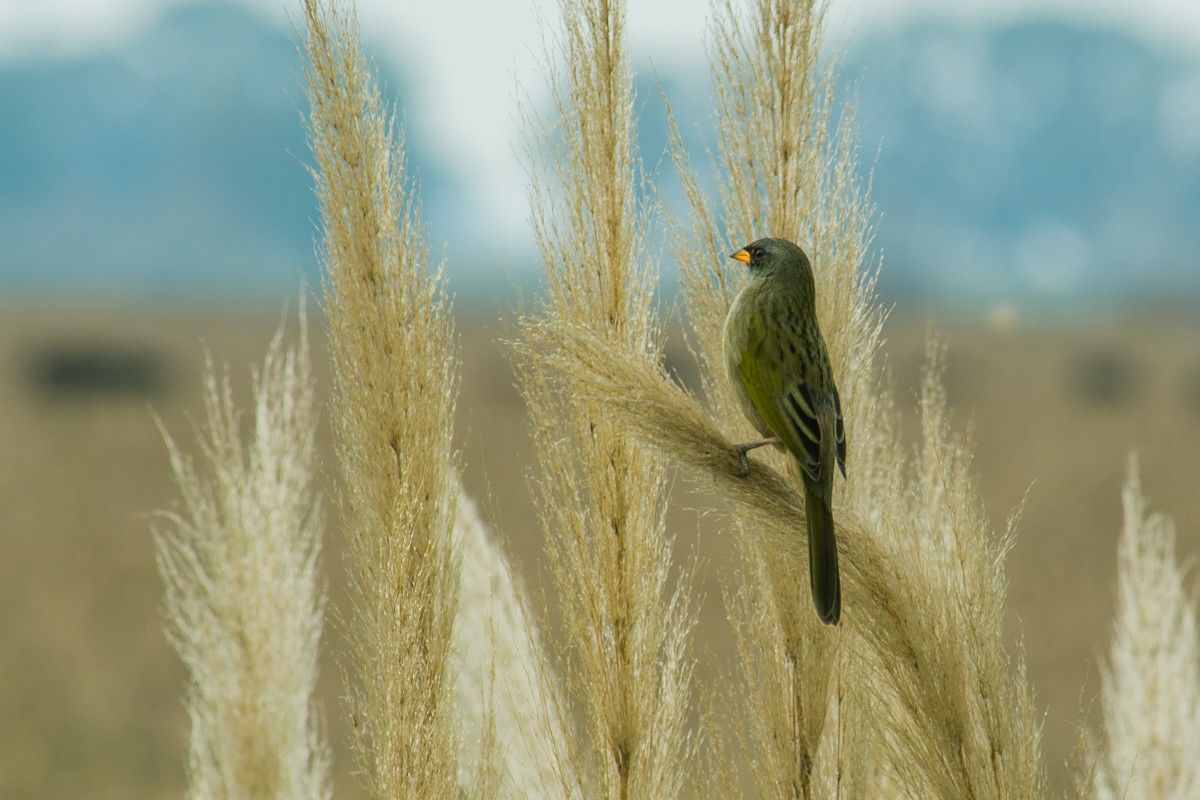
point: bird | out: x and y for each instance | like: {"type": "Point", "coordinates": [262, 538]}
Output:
{"type": "Point", "coordinates": [781, 375]}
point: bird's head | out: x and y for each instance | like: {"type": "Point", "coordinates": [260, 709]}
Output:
{"type": "Point", "coordinates": [769, 255]}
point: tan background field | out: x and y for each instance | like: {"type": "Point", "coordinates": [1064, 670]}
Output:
{"type": "Point", "coordinates": [90, 692]}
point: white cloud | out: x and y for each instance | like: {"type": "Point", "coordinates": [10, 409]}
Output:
{"type": "Point", "coordinates": [1179, 116]}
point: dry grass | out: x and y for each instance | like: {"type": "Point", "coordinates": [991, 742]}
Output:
{"type": "Point", "coordinates": [601, 494]}
{"type": "Point", "coordinates": [96, 688]}
{"type": "Point", "coordinates": [784, 168]}
{"type": "Point", "coordinates": [512, 743]}
{"type": "Point", "coordinates": [394, 387]}
{"type": "Point", "coordinates": [449, 694]}
{"type": "Point", "coordinates": [951, 714]}
{"type": "Point", "coordinates": [915, 695]}
{"type": "Point", "coordinates": [1151, 689]}
{"type": "Point", "coordinates": [244, 604]}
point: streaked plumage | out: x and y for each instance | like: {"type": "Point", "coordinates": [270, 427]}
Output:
{"type": "Point", "coordinates": [781, 374]}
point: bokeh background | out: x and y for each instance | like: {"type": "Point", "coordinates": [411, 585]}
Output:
{"type": "Point", "coordinates": [1036, 168]}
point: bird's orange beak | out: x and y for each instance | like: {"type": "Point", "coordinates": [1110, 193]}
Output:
{"type": "Point", "coordinates": [742, 256]}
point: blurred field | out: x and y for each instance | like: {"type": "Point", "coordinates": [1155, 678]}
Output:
{"type": "Point", "coordinates": [90, 691]}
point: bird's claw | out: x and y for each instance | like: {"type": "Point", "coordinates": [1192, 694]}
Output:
{"type": "Point", "coordinates": [741, 451]}
{"type": "Point", "coordinates": [746, 447]}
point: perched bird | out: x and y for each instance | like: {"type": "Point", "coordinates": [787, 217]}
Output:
{"type": "Point", "coordinates": [781, 375]}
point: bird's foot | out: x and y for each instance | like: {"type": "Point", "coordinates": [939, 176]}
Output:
{"type": "Point", "coordinates": [746, 447]}
{"type": "Point", "coordinates": [741, 449]}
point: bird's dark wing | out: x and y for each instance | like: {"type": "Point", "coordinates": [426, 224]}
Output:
{"type": "Point", "coordinates": [785, 408]}
{"type": "Point", "coordinates": [840, 433]}
{"type": "Point", "coordinates": [785, 403]}
{"type": "Point", "coordinates": [801, 429]}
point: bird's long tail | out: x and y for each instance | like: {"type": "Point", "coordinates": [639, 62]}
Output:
{"type": "Point", "coordinates": [822, 554]}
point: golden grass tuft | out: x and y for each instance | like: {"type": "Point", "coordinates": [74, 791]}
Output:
{"type": "Point", "coordinates": [785, 167]}
{"type": "Point", "coordinates": [950, 714]}
{"type": "Point", "coordinates": [244, 603]}
{"type": "Point", "coordinates": [512, 742]}
{"type": "Point", "coordinates": [601, 493]}
{"type": "Point", "coordinates": [1151, 688]}
{"type": "Point", "coordinates": [394, 388]}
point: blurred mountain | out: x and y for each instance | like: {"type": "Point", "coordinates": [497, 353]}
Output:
{"type": "Point", "coordinates": [1028, 163]}
{"type": "Point", "coordinates": [170, 165]}
{"type": "Point", "coordinates": [1031, 162]}
{"type": "Point", "coordinates": [173, 166]}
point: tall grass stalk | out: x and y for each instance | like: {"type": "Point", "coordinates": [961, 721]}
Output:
{"type": "Point", "coordinates": [506, 694]}
{"type": "Point", "coordinates": [785, 167]}
{"type": "Point", "coordinates": [601, 492]}
{"type": "Point", "coordinates": [951, 715]}
{"type": "Point", "coordinates": [394, 389]}
{"type": "Point", "coordinates": [1151, 688]}
{"type": "Point", "coordinates": [244, 603]}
